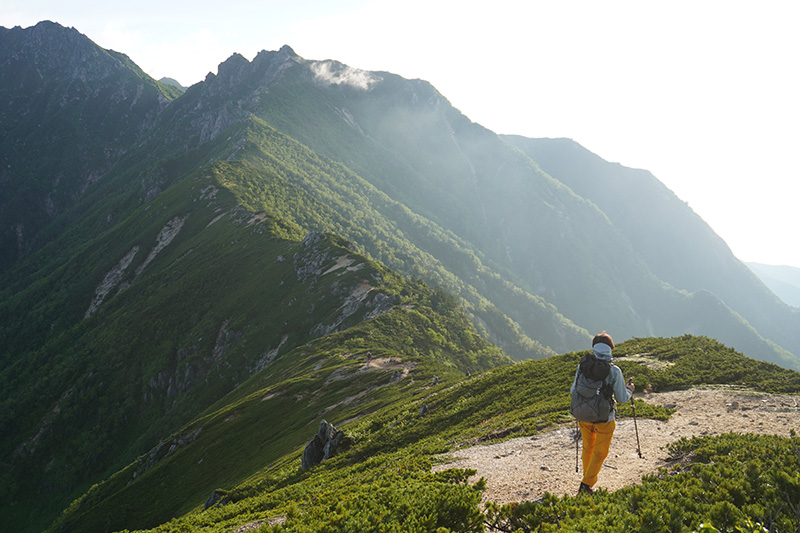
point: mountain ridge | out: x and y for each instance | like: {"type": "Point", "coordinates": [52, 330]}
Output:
{"type": "Point", "coordinates": [272, 66]}
{"type": "Point", "coordinates": [413, 437]}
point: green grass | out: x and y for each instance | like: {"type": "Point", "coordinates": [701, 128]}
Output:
{"type": "Point", "coordinates": [250, 429]}
{"type": "Point", "coordinates": [282, 177]}
{"type": "Point", "coordinates": [190, 328]}
{"type": "Point", "coordinates": [371, 484]}
{"type": "Point", "coordinates": [689, 360]}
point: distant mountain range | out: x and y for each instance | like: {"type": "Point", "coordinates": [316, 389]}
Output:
{"type": "Point", "coordinates": [172, 82]}
{"type": "Point", "coordinates": [159, 248]}
{"type": "Point", "coordinates": [782, 280]}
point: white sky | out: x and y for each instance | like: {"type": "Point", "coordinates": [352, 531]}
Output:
{"type": "Point", "coordinates": [703, 93]}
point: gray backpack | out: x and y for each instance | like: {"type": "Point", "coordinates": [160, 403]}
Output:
{"type": "Point", "coordinates": [592, 397]}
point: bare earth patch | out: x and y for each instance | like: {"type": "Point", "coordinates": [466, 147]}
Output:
{"type": "Point", "coordinates": [389, 363]}
{"type": "Point", "coordinates": [400, 369]}
{"type": "Point", "coordinates": [525, 468]}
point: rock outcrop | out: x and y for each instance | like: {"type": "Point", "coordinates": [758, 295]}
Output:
{"type": "Point", "coordinates": [217, 498]}
{"type": "Point", "coordinates": [164, 449]}
{"type": "Point", "coordinates": [323, 446]}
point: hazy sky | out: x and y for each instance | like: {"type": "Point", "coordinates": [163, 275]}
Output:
{"type": "Point", "coordinates": [705, 94]}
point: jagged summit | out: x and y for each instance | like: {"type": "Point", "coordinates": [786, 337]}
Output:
{"type": "Point", "coordinates": [47, 46]}
{"type": "Point", "coordinates": [286, 49]}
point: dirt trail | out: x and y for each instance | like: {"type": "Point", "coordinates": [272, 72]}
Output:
{"type": "Point", "coordinates": [527, 467]}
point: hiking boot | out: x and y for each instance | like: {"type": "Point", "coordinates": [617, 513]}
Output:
{"type": "Point", "coordinates": [585, 489]}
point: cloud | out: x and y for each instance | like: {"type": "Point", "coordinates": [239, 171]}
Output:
{"type": "Point", "coordinates": [337, 74]}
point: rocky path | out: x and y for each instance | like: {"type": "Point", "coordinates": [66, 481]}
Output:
{"type": "Point", "coordinates": [527, 467]}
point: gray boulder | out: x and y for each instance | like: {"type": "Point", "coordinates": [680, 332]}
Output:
{"type": "Point", "coordinates": [215, 498]}
{"type": "Point", "coordinates": [323, 445]}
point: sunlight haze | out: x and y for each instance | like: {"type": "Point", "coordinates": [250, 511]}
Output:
{"type": "Point", "coordinates": [702, 94]}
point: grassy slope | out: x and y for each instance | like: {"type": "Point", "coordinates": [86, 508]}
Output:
{"type": "Point", "coordinates": [86, 386]}
{"type": "Point", "coordinates": [387, 465]}
{"type": "Point", "coordinates": [70, 383]}
{"type": "Point", "coordinates": [194, 324]}
{"type": "Point", "coordinates": [312, 114]}
{"type": "Point", "coordinates": [273, 413]}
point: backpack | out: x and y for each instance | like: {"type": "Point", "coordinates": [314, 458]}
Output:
{"type": "Point", "coordinates": [591, 397]}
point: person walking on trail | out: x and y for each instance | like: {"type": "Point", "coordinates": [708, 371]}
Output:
{"type": "Point", "coordinates": [597, 384]}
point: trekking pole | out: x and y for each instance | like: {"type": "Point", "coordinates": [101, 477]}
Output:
{"type": "Point", "coordinates": [635, 427]}
{"type": "Point", "coordinates": [577, 433]}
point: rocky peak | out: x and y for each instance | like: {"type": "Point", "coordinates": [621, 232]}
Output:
{"type": "Point", "coordinates": [288, 51]}
{"type": "Point", "coordinates": [232, 70]}
{"type": "Point", "coordinates": [50, 49]}
{"type": "Point", "coordinates": [63, 94]}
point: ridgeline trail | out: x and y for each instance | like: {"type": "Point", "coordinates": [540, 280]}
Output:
{"type": "Point", "coordinates": [524, 468]}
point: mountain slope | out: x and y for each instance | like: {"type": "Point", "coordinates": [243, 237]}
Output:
{"type": "Point", "coordinates": [280, 88]}
{"type": "Point", "coordinates": [504, 229]}
{"type": "Point", "coordinates": [405, 139]}
{"type": "Point", "coordinates": [409, 142]}
{"type": "Point", "coordinates": [250, 428]}
{"type": "Point", "coordinates": [392, 449]}
{"type": "Point", "coordinates": [676, 244]}
{"type": "Point", "coordinates": [155, 294]}
{"type": "Point", "coordinates": [185, 307]}
{"type": "Point", "coordinates": [70, 109]}
{"type": "Point", "coordinates": [782, 280]}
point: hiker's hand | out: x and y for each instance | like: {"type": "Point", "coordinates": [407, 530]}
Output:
{"type": "Point", "coordinates": [630, 385]}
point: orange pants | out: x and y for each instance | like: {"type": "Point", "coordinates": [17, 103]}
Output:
{"type": "Point", "coordinates": [596, 442]}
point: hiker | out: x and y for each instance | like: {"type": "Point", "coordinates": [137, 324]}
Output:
{"type": "Point", "coordinates": [596, 380]}
{"type": "Point", "coordinates": [369, 357]}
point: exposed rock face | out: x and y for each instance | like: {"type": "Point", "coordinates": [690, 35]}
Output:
{"type": "Point", "coordinates": [310, 263]}
{"type": "Point", "coordinates": [267, 357]}
{"type": "Point", "coordinates": [164, 237]}
{"type": "Point", "coordinates": [114, 276]}
{"type": "Point", "coordinates": [191, 366]}
{"type": "Point", "coordinates": [110, 281]}
{"type": "Point", "coordinates": [226, 98]}
{"type": "Point", "coordinates": [380, 304]}
{"type": "Point", "coordinates": [162, 450]}
{"type": "Point", "coordinates": [323, 445]}
{"type": "Point", "coordinates": [215, 498]}
{"type": "Point", "coordinates": [315, 260]}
